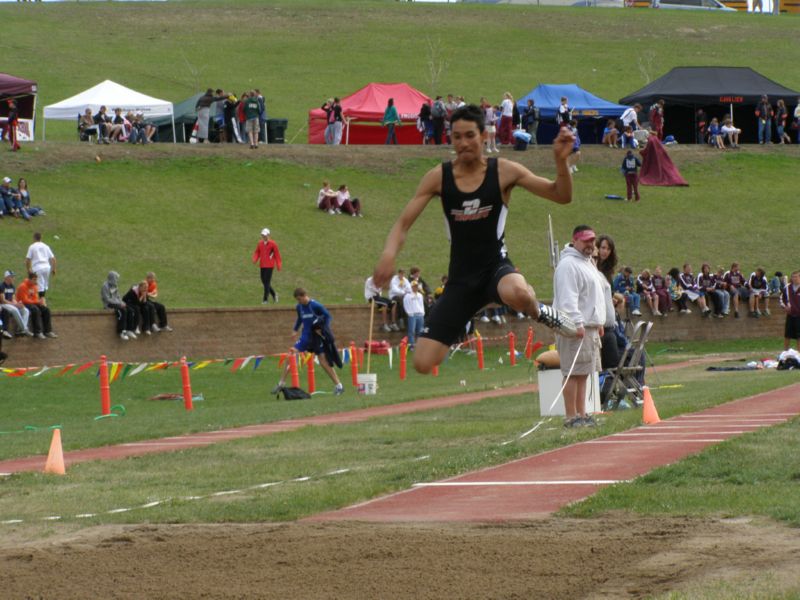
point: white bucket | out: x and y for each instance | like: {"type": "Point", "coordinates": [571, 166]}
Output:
{"type": "Point", "coordinates": [367, 383]}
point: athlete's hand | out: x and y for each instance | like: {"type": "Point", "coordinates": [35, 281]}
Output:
{"type": "Point", "coordinates": [383, 271]}
{"type": "Point", "coordinates": [580, 332]}
{"type": "Point", "coordinates": [562, 145]}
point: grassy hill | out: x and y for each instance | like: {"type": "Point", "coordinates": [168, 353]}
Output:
{"type": "Point", "coordinates": [193, 214]}
{"type": "Point", "coordinates": [299, 52]}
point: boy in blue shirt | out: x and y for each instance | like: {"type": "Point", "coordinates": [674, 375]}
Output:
{"type": "Point", "coordinates": [315, 336]}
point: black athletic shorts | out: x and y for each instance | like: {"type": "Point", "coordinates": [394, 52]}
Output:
{"type": "Point", "coordinates": [462, 298]}
{"type": "Point", "coordinates": [792, 329]}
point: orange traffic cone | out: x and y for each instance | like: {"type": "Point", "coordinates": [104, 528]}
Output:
{"type": "Point", "coordinates": [55, 458]}
{"type": "Point", "coordinates": [649, 412]}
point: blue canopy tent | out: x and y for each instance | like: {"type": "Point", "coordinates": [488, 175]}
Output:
{"type": "Point", "coordinates": [590, 111]}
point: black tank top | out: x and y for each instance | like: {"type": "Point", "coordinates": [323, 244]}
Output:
{"type": "Point", "coordinates": [475, 223]}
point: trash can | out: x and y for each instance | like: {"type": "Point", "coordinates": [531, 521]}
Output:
{"type": "Point", "coordinates": [276, 130]}
{"type": "Point", "coordinates": [521, 139]}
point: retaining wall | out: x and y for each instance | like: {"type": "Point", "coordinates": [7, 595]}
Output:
{"type": "Point", "coordinates": [235, 332]}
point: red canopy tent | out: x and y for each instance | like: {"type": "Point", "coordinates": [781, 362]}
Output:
{"type": "Point", "coordinates": [657, 166]}
{"type": "Point", "coordinates": [24, 92]}
{"type": "Point", "coordinates": [363, 113]}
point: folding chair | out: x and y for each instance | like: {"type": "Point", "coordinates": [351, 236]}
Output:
{"type": "Point", "coordinates": [625, 376]}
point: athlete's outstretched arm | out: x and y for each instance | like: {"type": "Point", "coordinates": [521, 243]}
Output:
{"type": "Point", "coordinates": [429, 187]}
{"type": "Point", "coordinates": [560, 190]}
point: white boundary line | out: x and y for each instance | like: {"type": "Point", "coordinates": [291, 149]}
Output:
{"type": "Point", "coordinates": [154, 503]}
{"type": "Point", "coordinates": [518, 483]}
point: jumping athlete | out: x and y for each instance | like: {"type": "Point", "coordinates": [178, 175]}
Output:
{"type": "Point", "coordinates": [480, 271]}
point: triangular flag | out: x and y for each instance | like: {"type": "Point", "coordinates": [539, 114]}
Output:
{"type": "Point", "coordinates": [116, 369]}
{"type": "Point", "coordinates": [391, 353]}
{"type": "Point", "coordinates": [65, 369]}
{"type": "Point", "coordinates": [202, 365]}
{"type": "Point", "coordinates": [236, 364]}
{"type": "Point", "coordinates": [17, 372]}
{"type": "Point", "coordinates": [246, 360]}
{"type": "Point", "coordinates": [44, 370]}
{"type": "Point", "coordinates": [126, 370]}
{"type": "Point", "coordinates": [257, 362]}
{"type": "Point", "coordinates": [82, 368]}
{"type": "Point", "coordinates": [139, 369]}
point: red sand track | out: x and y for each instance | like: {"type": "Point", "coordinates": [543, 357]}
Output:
{"type": "Point", "coordinates": [535, 486]}
{"type": "Point", "coordinates": [197, 440]}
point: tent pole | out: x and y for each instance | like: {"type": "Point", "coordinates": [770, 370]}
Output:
{"type": "Point", "coordinates": [347, 136]}
{"type": "Point", "coordinates": [174, 140]}
{"type": "Point", "coordinates": [731, 113]}
{"type": "Point", "coordinates": [44, 125]}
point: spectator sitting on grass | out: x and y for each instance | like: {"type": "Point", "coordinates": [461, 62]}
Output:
{"type": "Point", "coordinates": [109, 295]}
{"type": "Point", "coordinates": [326, 199]}
{"type": "Point", "coordinates": [610, 134]}
{"type": "Point", "coordinates": [758, 288]}
{"type": "Point", "coordinates": [40, 321]}
{"type": "Point", "coordinates": [24, 196]}
{"type": "Point", "coordinates": [692, 291]}
{"type": "Point", "coordinates": [624, 284]}
{"type": "Point", "coordinates": [347, 205]}
{"type": "Point", "coordinates": [9, 199]}
{"type": "Point", "coordinates": [157, 308]}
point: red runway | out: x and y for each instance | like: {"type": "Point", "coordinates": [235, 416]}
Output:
{"type": "Point", "coordinates": [535, 486]}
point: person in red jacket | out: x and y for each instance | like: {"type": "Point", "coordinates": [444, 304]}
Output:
{"type": "Point", "coordinates": [268, 256]}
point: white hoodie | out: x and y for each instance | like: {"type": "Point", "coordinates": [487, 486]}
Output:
{"type": "Point", "coordinates": [578, 290]}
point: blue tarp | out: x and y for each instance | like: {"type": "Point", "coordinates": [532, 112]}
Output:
{"type": "Point", "coordinates": [547, 98]}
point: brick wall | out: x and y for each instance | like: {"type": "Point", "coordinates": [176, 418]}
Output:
{"type": "Point", "coordinates": [235, 332]}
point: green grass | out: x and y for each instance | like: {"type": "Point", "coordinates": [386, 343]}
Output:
{"type": "Point", "coordinates": [756, 474]}
{"type": "Point", "coordinates": [301, 51]}
{"type": "Point", "coordinates": [230, 400]}
{"type": "Point", "coordinates": [194, 219]}
{"type": "Point", "coordinates": [382, 455]}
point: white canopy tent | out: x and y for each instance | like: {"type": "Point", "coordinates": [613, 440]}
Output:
{"type": "Point", "coordinates": [111, 95]}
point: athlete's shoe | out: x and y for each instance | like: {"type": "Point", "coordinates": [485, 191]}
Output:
{"type": "Point", "coordinates": [557, 321]}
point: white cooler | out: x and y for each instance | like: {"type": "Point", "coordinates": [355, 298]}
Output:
{"type": "Point", "coordinates": [550, 382]}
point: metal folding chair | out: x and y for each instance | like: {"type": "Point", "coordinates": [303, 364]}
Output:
{"type": "Point", "coordinates": [625, 377]}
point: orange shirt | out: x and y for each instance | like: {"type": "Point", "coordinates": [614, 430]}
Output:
{"type": "Point", "coordinates": [28, 293]}
{"type": "Point", "coordinates": [152, 289]}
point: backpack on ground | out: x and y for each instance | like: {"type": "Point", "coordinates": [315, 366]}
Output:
{"type": "Point", "coordinates": [293, 393]}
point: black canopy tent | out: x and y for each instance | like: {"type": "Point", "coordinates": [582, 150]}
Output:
{"type": "Point", "coordinates": [719, 91]}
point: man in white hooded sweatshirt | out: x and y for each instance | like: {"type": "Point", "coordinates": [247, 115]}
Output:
{"type": "Point", "coordinates": [578, 293]}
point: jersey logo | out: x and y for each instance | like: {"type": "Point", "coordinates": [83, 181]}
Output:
{"type": "Point", "coordinates": [471, 210]}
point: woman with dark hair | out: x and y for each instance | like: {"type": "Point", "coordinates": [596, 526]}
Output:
{"type": "Point", "coordinates": [27, 210]}
{"type": "Point", "coordinates": [390, 119]}
{"type": "Point", "coordinates": [609, 349]}
{"type": "Point", "coordinates": [606, 256]}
